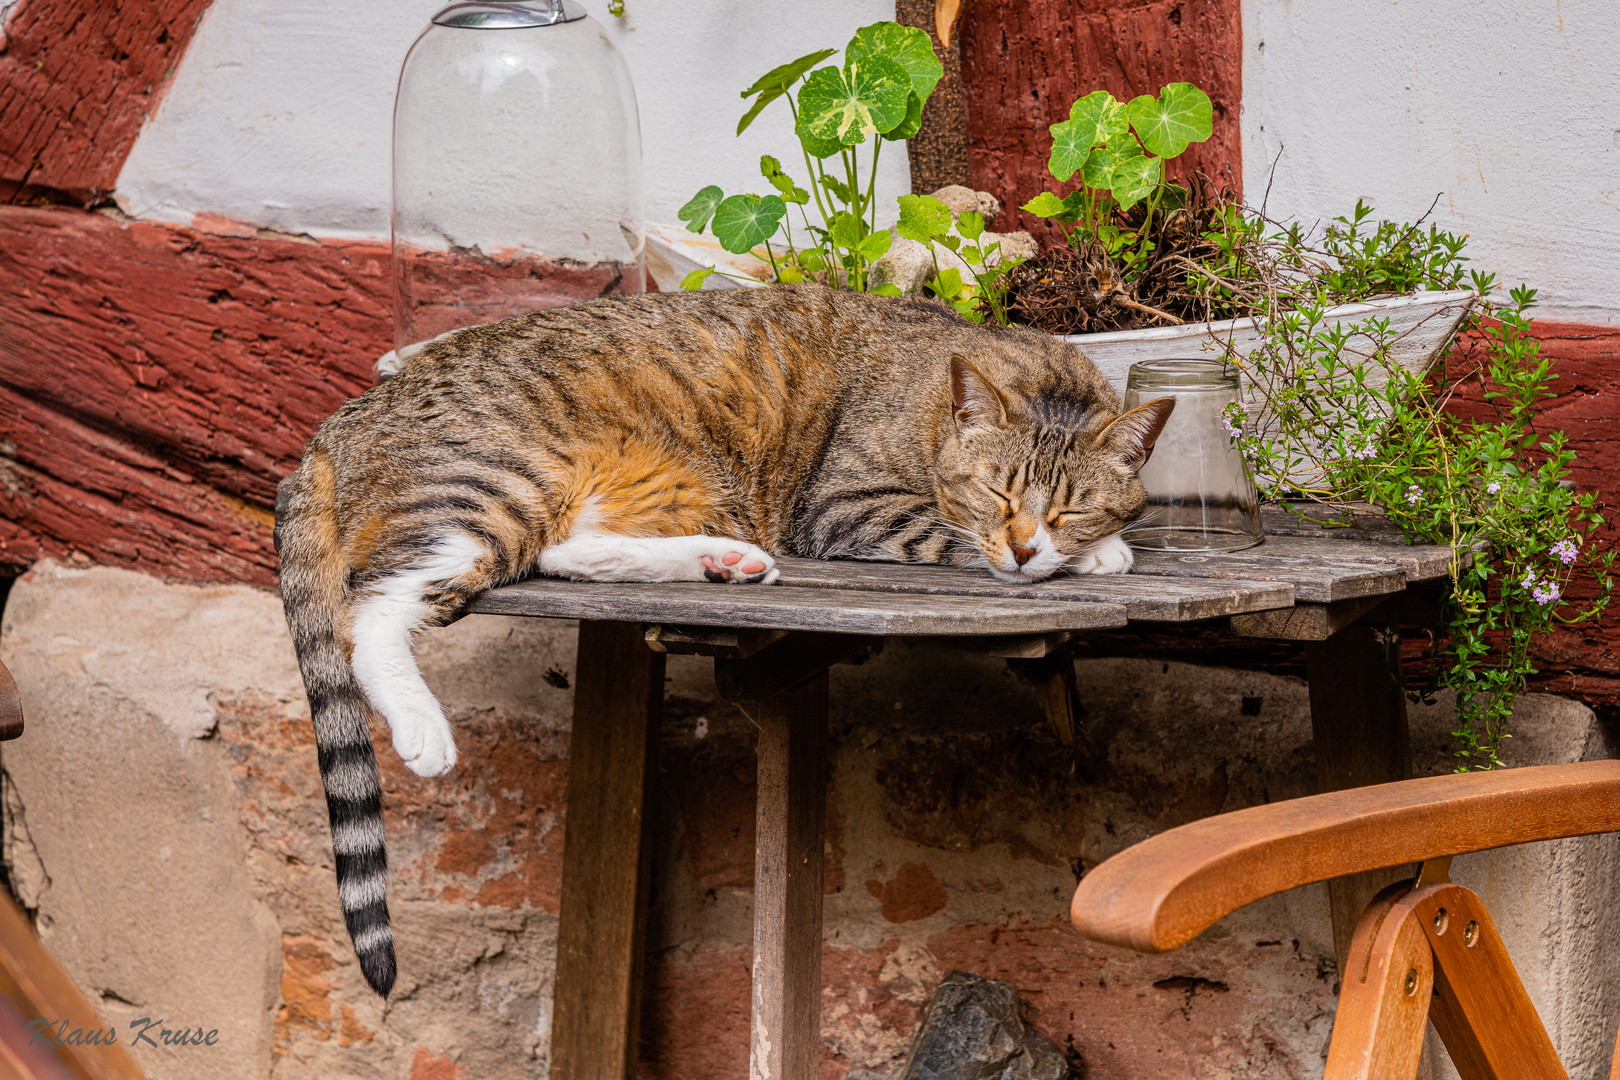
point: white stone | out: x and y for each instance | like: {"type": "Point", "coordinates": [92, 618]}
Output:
{"type": "Point", "coordinates": [909, 264]}
{"type": "Point", "coordinates": [164, 648]}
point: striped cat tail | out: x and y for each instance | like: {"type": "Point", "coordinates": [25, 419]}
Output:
{"type": "Point", "coordinates": [314, 594]}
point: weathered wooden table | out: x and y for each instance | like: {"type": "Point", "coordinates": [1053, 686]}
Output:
{"type": "Point", "coordinates": [772, 648]}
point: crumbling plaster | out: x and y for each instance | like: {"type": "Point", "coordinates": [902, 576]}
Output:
{"type": "Point", "coordinates": [184, 869]}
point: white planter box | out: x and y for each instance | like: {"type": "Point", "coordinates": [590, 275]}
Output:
{"type": "Point", "coordinates": [673, 252]}
{"type": "Point", "coordinates": [1424, 323]}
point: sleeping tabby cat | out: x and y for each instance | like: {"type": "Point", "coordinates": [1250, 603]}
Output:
{"type": "Point", "coordinates": [675, 437]}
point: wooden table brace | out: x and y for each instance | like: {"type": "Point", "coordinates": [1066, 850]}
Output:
{"type": "Point", "coordinates": [785, 1027]}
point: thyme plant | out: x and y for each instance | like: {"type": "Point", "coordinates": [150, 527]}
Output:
{"type": "Point", "coordinates": [1338, 427]}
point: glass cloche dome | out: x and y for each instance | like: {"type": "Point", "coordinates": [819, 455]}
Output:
{"type": "Point", "coordinates": [517, 169]}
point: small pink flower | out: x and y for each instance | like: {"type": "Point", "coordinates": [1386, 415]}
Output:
{"type": "Point", "coordinates": [1529, 580]}
{"type": "Point", "coordinates": [1566, 550]}
{"type": "Point", "coordinates": [1232, 418]}
{"type": "Point", "coordinates": [1493, 487]}
{"type": "Point", "coordinates": [1546, 594]}
{"type": "Point", "coordinates": [1414, 494]}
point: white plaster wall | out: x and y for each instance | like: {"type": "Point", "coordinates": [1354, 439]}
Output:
{"type": "Point", "coordinates": [279, 115]}
{"type": "Point", "coordinates": [1512, 110]}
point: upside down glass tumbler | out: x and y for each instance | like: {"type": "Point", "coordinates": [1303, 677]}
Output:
{"type": "Point", "coordinates": [1200, 496]}
{"type": "Point", "coordinates": [517, 168]}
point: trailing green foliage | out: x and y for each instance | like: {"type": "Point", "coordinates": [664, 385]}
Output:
{"type": "Point", "coordinates": [1341, 427]}
{"type": "Point", "coordinates": [1335, 426]}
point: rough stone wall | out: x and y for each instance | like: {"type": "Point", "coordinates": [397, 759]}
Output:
{"type": "Point", "coordinates": [163, 822]}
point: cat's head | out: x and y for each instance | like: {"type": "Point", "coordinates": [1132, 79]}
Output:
{"type": "Point", "coordinates": [1034, 487]}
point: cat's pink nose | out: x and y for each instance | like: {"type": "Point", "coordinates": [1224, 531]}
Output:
{"type": "Point", "coordinates": [1022, 554]}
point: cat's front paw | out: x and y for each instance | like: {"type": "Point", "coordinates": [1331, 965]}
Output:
{"type": "Point", "coordinates": [737, 563]}
{"type": "Point", "coordinates": [1111, 556]}
{"type": "Point", "coordinates": [426, 745]}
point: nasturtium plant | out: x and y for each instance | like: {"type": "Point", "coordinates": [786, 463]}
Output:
{"type": "Point", "coordinates": [701, 207]}
{"type": "Point", "coordinates": [1109, 143]}
{"type": "Point", "coordinates": [912, 51]}
{"type": "Point", "coordinates": [875, 95]}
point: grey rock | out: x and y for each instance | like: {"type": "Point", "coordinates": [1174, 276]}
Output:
{"type": "Point", "coordinates": [960, 199]}
{"type": "Point", "coordinates": [975, 1030]}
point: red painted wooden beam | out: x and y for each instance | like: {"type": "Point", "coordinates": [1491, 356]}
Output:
{"type": "Point", "coordinates": [159, 381]}
{"type": "Point", "coordinates": [76, 82]}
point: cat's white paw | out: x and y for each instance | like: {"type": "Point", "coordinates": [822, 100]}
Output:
{"type": "Point", "coordinates": [735, 562]}
{"type": "Point", "coordinates": [426, 745]}
{"type": "Point", "coordinates": [1111, 556]}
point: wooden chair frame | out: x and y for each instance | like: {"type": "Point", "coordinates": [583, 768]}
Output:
{"type": "Point", "coordinates": [1423, 950]}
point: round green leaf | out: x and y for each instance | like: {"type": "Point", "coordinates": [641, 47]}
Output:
{"type": "Point", "coordinates": [905, 45]}
{"type": "Point", "coordinates": [1046, 205]}
{"type": "Point", "coordinates": [816, 146]}
{"type": "Point", "coordinates": [1133, 177]}
{"type": "Point", "coordinates": [1070, 147]}
{"type": "Point", "coordinates": [1105, 160]}
{"type": "Point", "coordinates": [922, 218]}
{"type": "Point", "coordinates": [744, 221]}
{"type": "Point", "coordinates": [700, 208]}
{"type": "Point", "coordinates": [1093, 120]}
{"type": "Point", "coordinates": [1181, 114]}
{"type": "Point", "coordinates": [866, 96]}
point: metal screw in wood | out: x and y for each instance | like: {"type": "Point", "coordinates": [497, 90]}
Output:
{"type": "Point", "coordinates": [1471, 934]}
{"type": "Point", "coordinates": [1411, 981]}
{"type": "Point", "coordinates": [1441, 919]}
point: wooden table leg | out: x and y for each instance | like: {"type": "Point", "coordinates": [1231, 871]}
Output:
{"type": "Point", "coordinates": [785, 1031]}
{"type": "Point", "coordinates": [1358, 717]}
{"type": "Point", "coordinates": [618, 698]}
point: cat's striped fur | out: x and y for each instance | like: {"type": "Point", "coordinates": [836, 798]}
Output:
{"type": "Point", "coordinates": [679, 436]}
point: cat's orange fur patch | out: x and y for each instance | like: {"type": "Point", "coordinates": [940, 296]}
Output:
{"type": "Point", "coordinates": [639, 488]}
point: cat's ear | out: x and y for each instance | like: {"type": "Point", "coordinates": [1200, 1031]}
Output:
{"type": "Point", "coordinates": [1132, 434]}
{"type": "Point", "coordinates": [974, 398]}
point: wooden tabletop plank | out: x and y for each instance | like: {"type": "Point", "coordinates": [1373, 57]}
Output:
{"type": "Point", "coordinates": [1420, 562]}
{"type": "Point", "coordinates": [777, 607]}
{"type": "Point", "coordinates": [1315, 577]}
{"type": "Point", "coordinates": [1153, 599]}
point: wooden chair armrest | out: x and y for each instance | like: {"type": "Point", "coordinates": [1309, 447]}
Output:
{"type": "Point", "coordinates": [11, 718]}
{"type": "Point", "coordinates": [1165, 891]}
